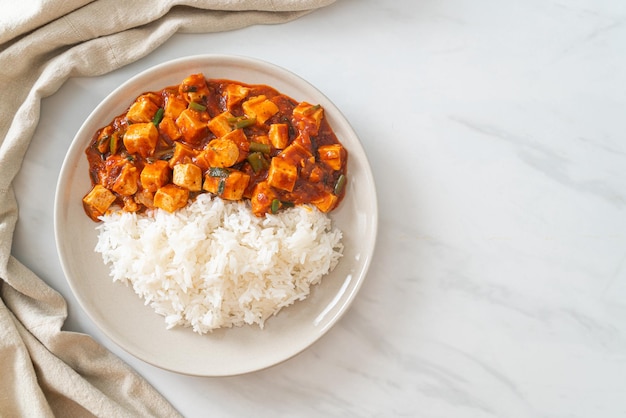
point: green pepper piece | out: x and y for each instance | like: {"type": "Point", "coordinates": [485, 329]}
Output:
{"type": "Point", "coordinates": [197, 106]}
{"type": "Point", "coordinates": [241, 122]}
{"type": "Point", "coordinates": [275, 205]}
{"type": "Point", "coordinates": [258, 147]}
{"type": "Point", "coordinates": [244, 123]}
{"type": "Point", "coordinates": [114, 143]}
{"type": "Point", "coordinates": [257, 161]}
{"type": "Point", "coordinates": [311, 109]}
{"type": "Point", "coordinates": [158, 116]}
{"type": "Point", "coordinates": [340, 184]}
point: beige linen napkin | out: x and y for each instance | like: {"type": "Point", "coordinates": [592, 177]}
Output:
{"type": "Point", "coordinates": [45, 371]}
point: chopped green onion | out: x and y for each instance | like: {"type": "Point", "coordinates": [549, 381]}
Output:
{"type": "Point", "coordinates": [197, 106]}
{"type": "Point", "coordinates": [157, 117]}
{"type": "Point", "coordinates": [340, 184]}
{"type": "Point", "coordinates": [103, 144]}
{"type": "Point", "coordinates": [258, 147]}
{"type": "Point", "coordinates": [275, 205]}
{"type": "Point", "coordinates": [257, 161]}
{"type": "Point", "coordinates": [165, 154]}
{"type": "Point", "coordinates": [221, 185]}
{"type": "Point", "coordinates": [219, 172]}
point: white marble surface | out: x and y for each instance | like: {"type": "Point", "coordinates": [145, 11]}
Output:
{"type": "Point", "coordinates": [496, 132]}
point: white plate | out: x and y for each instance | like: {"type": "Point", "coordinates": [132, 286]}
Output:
{"type": "Point", "coordinates": [123, 317]}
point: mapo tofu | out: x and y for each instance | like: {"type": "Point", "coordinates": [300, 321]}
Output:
{"type": "Point", "coordinates": [234, 140]}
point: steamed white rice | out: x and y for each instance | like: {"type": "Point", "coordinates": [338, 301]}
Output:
{"type": "Point", "coordinates": [214, 264]}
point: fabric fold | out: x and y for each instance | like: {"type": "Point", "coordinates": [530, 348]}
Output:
{"type": "Point", "coordinates": [47, 371]}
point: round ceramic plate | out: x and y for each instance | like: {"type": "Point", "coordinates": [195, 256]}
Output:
{"type": "Point", "coordinates": [122, 315]}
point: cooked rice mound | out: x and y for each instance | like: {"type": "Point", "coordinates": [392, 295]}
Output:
{"type": "Point", "coordinates": [214, 264]}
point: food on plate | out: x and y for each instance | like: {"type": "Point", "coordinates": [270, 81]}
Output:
{"type": "Point", "coordinates": [213, 196]}
{"type": "Point", "coordinates": [213, 264]}
{"type": "Point", "coordinates": [233, 140]}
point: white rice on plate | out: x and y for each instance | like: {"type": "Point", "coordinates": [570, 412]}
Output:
{"type": "Point", "coordinates": [213, 264]}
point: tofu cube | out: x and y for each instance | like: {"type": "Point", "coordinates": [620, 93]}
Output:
{"type": "Point", "coordinates": [239, 138]}
{"type": "Point", "coordinates": [98, 201]}
{"type": "Point", "coordinates": [316, 174]}
{"type": "Point", "coordinates": [234, 94]}
{"type": "Point", "coordinates": [201, 160]}
{"type": "Point", "coordinates": [142, 110]}
{"type": "Point", "coordinates": [174, 106]}
{"type": "Point", "coordinates": [126, 184]}
{"type": "Point", "coordinates": [325, 203]}
{"type": "Point", "coordinates": [141, 138]}
{"type": "Point", "coordinates": [145, 197]}
{"type": "Point", "coordinates": [295, 154]}
{"type": "Point", "coordinates": [104, 139]}
{"type": "Point", "coordinates": [332, 155]}
{"type": "Point", "coordinates": [259, 107]}
{"type": "Point", "coordinates": [194, 88]}
{"type": "Point", "coordinates": [279, 135]}
{"type": "Point", "coordinates": [262, 139]}
{"type": "Point", "coordinates": [188, 176]}
{"type": "Point", "coordinates": [262, 197]}
{"type": "Point", "coordinates": [282, 174]}
{"type": "Point", "coordinates": [182, 154]}
{"type": "Point", "coordinates": [168, 128]}
{"type": "Point", "coordinates": [155, 175]}
{"type": "Point", "coordinates": [191, 127]}
{"type": "Point", "coordinates": [171, 197]}
{"type": "Point", "coordinates": [221, 152]}
{"type": "Point", "coordinates": [229, 187]}
{"type": "Point", "coordinates": [220, 125]}
{"type": "Point", "coordinates": [130, 205]}
{"type": "Point", "coordinates": [308, 117]}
